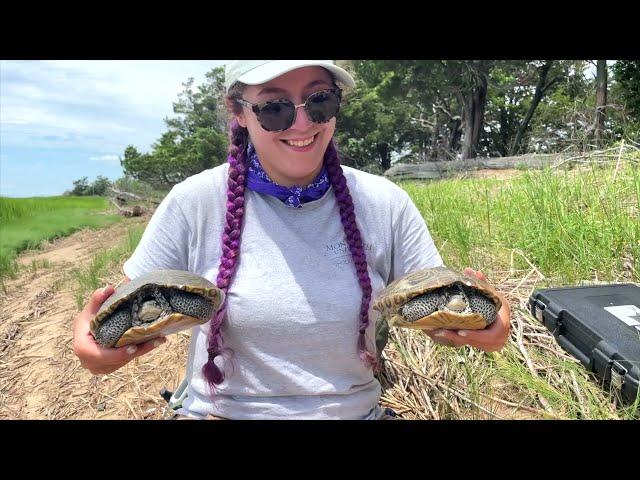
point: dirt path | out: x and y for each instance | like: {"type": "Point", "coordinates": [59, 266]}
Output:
{"type": "Point", "coordinates": [40, 377]}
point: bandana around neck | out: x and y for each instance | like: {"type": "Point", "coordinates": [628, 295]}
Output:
{"type": "Point", "coordinates": [296, 196]}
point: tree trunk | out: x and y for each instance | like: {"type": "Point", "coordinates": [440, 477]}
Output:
{"type": "Point", "coordinates": [537, 96]}
{"type": "Point", "coordinates": [456, 133]}
{"type": "Point", "coordinates": [385, 156]}
{"type": "Point", "coordinates": [474, 104]}
{"type": "Point", "coordinates": [601, 99]}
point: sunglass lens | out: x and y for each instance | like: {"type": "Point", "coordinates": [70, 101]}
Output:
{"type": "Point", "coordinates": [323, 106]}
{"type": "Point", "coordinates": [275, 116]}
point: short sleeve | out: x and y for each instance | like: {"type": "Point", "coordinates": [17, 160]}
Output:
{"type": "Point", "coordinates": [164, 244]}
{"type": "Point", "coordinates": [413, 247]}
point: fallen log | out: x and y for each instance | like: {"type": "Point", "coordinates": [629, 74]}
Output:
{"type": "Point", "coordinates": [135, 211]}
{"type": "Point", "coordinates": [435, 170]}
{"type": "Point", "coordinates": [121, 196]}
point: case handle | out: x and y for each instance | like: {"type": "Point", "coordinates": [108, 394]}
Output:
{"type": "Point", "coordinates": [571, 348]}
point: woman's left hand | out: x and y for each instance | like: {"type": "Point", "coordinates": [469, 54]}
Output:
{"type": "Point", "coordinates": [490, 339]}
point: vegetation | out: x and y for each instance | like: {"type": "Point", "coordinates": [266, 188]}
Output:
{"type": "Point", "coordinates": [550, 227]}
{"type": "Point", "coordinates": [572, 225]}
{"type": "Point", "coordinates": [424, 110]}
{"type": "Point", "coordinates": [534, 230]}
{"type": "Point", "coordinates": [82, 187]}
{"type": "Point", "coordinates": [26, 222]}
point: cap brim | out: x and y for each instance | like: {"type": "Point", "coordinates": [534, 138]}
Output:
{"type": "Point", "coordinates": [268, 71]}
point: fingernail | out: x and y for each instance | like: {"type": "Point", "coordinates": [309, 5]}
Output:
{"type": "Point", "coordinates": [439, 333]}
{"type": "Point", "coordinates": [157, 343]}
{"type": "Point", "coordinates": [131, 349]}
{"type": "Point", "coordinates": [104, 290]}
{"type": "Point", "coordinates": [462, 333]}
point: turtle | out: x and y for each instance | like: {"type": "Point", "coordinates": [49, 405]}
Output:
{"type": "Point", "coordinates": [155, 304]}
{"type": "Point", "coordinates": [439, 297]}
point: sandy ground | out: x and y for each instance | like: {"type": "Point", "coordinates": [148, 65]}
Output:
{"type": "Point", "coordinates": [40, 377]}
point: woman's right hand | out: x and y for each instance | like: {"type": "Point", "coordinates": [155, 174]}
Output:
{"type": "Point", "coordinates": [95, 358]}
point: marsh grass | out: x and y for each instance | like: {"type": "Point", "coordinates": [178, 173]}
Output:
{"type": "Point", "coordinates": [571, 225]}
{"type": "Point", "coordinates": [539, 229]}
{"type": "Point", "coordinates": [27, 222]}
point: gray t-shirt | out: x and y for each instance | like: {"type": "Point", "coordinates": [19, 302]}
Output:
{"type": "Point", "coordinates": [293, 305]}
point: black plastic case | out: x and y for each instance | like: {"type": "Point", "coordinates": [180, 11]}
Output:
{"type": "Point", "coordinates": [600, 326]}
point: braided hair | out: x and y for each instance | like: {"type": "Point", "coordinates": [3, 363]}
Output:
{"type": "Point", "coordinates": [231, 237]}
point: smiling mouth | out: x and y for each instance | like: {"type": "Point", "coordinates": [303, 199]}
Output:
{"type": "Point", "coordinates": [301, 143]}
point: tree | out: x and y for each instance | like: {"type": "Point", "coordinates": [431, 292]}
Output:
{"type": "Point", "coordinates": [550, 110]}
{"type": "Point", "coordinates": [412, 107]}
{"type": "Point", "coordinates": [627, 77]}
{"type": "Point", "coordinates": [468, 81]}
{"type": "Point", "coordinates": [100, 185]}
{"type": "Point", "coordinates": [601, 99]}
{"type": "Point", "coordinates": [372, 125]}
{"type": "Point", "coordinates": [541, 88]}
{"type": "Point", "coordinates": [80, 186]}
{"type": "Point", "coordinates": [196, 138]}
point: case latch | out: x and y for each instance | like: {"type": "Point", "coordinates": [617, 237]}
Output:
{"type": "Point", "coordinates": [618, 373]}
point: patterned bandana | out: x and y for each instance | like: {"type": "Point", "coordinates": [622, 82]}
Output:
{"type": "Point", "coordinates": [296, 196]}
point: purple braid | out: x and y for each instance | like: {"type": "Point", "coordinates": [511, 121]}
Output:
{"type": "Point", "coordinates": [354, 239]}
{"type": "Point", "coordinates": [230, 246]}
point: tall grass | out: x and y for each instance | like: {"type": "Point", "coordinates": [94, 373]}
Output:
{"type": "Point", "coordinates": [26, 222]}
{"type": "Point", "coordinates": [12, 209]}
{"type": "Point", "coordinates": [571, 225]}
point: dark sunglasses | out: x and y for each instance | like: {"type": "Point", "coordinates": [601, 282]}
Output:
{"type": "Point", "coordinates": [279, 115]}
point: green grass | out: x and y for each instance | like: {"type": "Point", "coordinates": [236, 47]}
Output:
{"type": "Point", "coordinates": [26, 222]}
{"type": "Point", "coordinates": [96, 274]}
{"type": "Point", "coordinates": [571, 226]}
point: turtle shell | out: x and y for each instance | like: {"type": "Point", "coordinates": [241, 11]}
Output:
{"type": "Point", "coordinates": [175, 321]}
{"type": "Point", "coordinates": [398, 293]}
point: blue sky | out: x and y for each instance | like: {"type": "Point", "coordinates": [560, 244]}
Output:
{"type": "Point", "coordinates": [63, 120]}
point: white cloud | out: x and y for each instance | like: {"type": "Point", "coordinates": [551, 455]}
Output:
{"type": "Point", "coordinates": [116, 102]}
{"type": "Point", "coordinates": [61, 120]}
{"type": "Point", "coordinates": [106, 158]}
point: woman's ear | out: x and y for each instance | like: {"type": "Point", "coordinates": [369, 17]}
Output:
{"type": "Point", "coordinates": [242, 121]}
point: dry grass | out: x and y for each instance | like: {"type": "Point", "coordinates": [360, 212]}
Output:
{"type": "Point", "coordinates": [531, 378]}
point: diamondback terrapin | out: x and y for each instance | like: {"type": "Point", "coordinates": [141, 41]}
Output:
{"type": "Point", "coordinates": [439, 298]}
{"type": "Point", "coordinates": [156, 304]}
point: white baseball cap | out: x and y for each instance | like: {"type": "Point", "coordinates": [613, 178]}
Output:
{"type": "Point", "coordinates": [255, 72]}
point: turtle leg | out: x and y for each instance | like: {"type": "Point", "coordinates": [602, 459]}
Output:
{"type": "Point", "coordinates": [482, 304]}
{"type": "Point", "coordinates": [113, 327]}
{"type": "Point", "coordinates": [191, 304]}
{"type": "Point", "coordinates": [422, 306]}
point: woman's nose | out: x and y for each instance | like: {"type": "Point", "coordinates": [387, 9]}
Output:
{"type": "Point", "coordinates": [301, 120]}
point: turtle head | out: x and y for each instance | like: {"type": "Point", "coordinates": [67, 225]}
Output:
{"type": "Point", "coordinates": [456, 300]}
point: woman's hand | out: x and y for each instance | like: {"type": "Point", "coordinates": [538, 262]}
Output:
{"type": "Point", "coordinates": [490, 339]}
{"type": "Point", "coordinates": [95, 358]}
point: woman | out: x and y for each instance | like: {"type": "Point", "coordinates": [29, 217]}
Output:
{"type": "Point", "coordinates": [300, 245]}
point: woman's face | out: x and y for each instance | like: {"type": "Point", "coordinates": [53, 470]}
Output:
{"type": "Point", "coordinates": [284, 162]}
